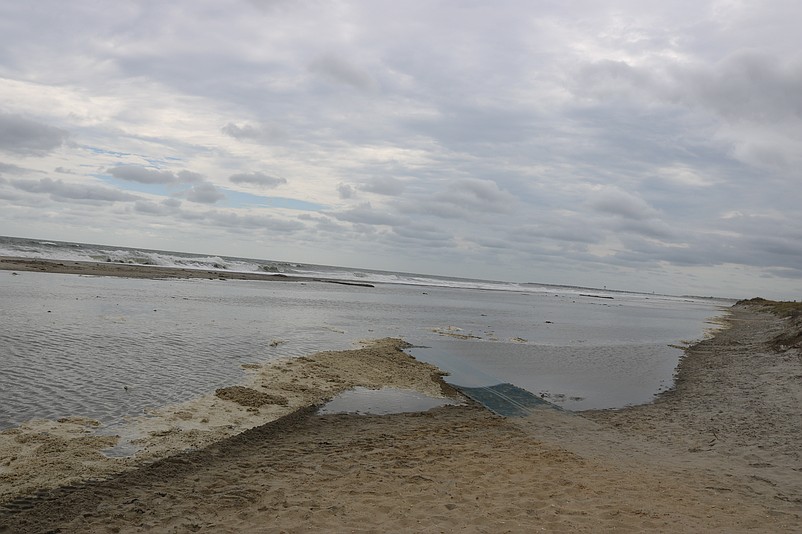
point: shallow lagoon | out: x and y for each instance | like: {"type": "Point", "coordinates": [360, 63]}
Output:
{"type": "Point", "coordinates": [106, 348]}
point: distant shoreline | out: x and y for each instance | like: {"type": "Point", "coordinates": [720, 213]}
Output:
{"type": "Point", "coordinates": [127, 270]}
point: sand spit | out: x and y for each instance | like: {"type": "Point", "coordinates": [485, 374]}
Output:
{"type": "Point", "coordinates": [718, 453]}
{"type": "Point", "coordinates": [126, 270]}
{"type": "Point", "coordinates": [41, 455]}
{"type": "Point", "coordinates": [736, 410]}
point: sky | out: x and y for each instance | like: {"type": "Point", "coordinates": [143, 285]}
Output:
{"type": "Point", "coordinates": [640, 145]}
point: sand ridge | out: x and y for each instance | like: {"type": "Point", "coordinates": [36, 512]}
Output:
{"type": "Point", "coordinates": [43, 454]}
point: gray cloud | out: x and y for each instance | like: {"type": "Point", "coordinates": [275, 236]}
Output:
{"type": "Point", "coordinates": [466, 199]}
{"type": "Point", "coordinates": [482, 128]}
{"type": "Point", "coordinates": [423, 232]}
{"type": "Point", "coordinates": [189, 177]}
{"type": "Point", "coordinates": [58, 190]}
{"type": "Point", "coordinates": [227, 220]}
{"type": "Point", "coordinates": [385, 185]}
{"type": "Point", "coordinates": [235, 221]}
{"type": "Point", "coordinates": [166, 207]}
{"type": "Point", "coordinates": [27, 137]}
{"type": "Point", "coordinates": [745, 85]}
{"type": "Point", "coordinates": [9, 168]}
{"type": "Point", "coordinates": [264, 133]}
{"type": "Point", "coordinates": [568, 229]}
{"type": "Point", "coordinates": [257, 178]}
{"type": "Point", "coordinates": [749, 99]}
{"type": "Point", "coordinates": [142, 175]}
{"type": "Point", "coordinates": [626, 205]}
{"type": "Point", "coordinates": [191, 185]}
{"type": "Point", "coordinates": [651, 228]}
{"type": "Point", "coordinates": [366, 214]}
{"type": "Point", "coordinates": [346, 191]}
{"type": "Point", "coordinates": [748, 85]}
{"type": "Point", "coordinates": [150, 208]}
{"type": "Point", "coordinates": [204, 193]}
{"type": "Point", "coordinates": [342, 71]}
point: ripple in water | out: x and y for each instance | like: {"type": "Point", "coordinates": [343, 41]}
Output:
{"type": "Point", "coordinates": [65, 354]}
{"type": "Point", "coordinates": [107, 348]}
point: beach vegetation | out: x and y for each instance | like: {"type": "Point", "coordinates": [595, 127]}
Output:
{"type": "Point", "coordinates": [791, 336]}
{"type": "Point", "coordinates": [791, 309]}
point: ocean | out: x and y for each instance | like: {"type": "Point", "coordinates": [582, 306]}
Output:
{"type": "Point", "coordinates": [108, 347]}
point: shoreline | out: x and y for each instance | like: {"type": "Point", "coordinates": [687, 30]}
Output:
{"type": "Point", "coordinates": [126, 270]}
{"type": "Point", "coordinates": [46, 454]}
{"type": "Point", "coordinates": [717, 452]}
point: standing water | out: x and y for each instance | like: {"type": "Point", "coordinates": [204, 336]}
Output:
{"type": "Point", "coordinates": [106, 348]}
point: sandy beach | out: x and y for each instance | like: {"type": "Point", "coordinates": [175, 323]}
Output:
{"type": "Point", "coordinates": [720, 452]}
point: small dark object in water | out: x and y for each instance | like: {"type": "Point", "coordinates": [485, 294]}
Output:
{"type": "Point", "coordinates": [344, 283]}
{"type": "Point", "coordinates": [506, 399]}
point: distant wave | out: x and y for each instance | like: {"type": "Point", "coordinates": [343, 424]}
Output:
{"type": "Point", "coordinates": [30, 248]}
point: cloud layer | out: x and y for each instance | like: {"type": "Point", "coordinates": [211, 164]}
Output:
{"type": "Point", "coordinates": [642, 147]}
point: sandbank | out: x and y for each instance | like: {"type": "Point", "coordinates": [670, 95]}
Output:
{"type": "Point", "coordinates": [130, 270]}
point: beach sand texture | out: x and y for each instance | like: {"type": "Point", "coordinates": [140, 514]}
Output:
{"type": "Point", "coordinates": [44, 454]}
{"type": "Point", "coordinates": [721, 452]}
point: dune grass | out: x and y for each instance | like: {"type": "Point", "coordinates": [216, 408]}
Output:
{"type": "Point", "coordinates": [782, 308]}
{"type": "Point", "coordinates": [791, 337]}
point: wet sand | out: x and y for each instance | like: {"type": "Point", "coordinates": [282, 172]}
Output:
{"type": "Point", "coordinates": [721, 452]}
{"type": "Point", "coordinates": [88, 268]}
{"type": "Point", "coordinates": [46, 454]}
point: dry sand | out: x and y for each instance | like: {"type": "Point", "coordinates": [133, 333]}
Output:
{"type": "Point", "coordinates": [719, 453]}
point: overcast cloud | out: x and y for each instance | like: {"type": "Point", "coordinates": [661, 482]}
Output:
{"type": "Point", "coordinates": [653, 146]}
{"type": "Point", "coordinates": [258, 179]}
{"type": "Point", "coordinates": [28, 137]}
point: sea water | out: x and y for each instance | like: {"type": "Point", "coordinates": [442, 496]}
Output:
{"type": "Point", "coordinates": [107, 347]}
{"type": "Point", "coordinates": [59, 250]}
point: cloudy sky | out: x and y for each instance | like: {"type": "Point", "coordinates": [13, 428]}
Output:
{"type": "Point", "coordinates": [653, 146]}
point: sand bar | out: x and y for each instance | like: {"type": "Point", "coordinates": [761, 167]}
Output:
{"type": "Point", "coordinates": [721, 452]}
{"type": "Point", "coordinates": [43, 454]}
{"type": "Point", "coordinates": [127, 270]}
